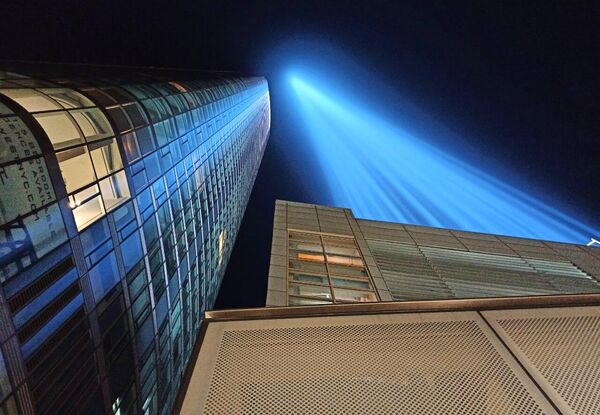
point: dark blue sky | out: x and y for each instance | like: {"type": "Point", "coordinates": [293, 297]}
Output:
{"type": "Point", "coordinates": [519, 80]}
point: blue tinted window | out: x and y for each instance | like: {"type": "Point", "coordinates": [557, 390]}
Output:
{"type": "Point", "coordinates": [161, 310]}
{"type": "Point", "coordinates": [104, 276]}
{"type": "Point", "coordinates": [144, 335]}
{"type": "Point", "coordinates": [132, 252]}
{"type": "Point", "coordinates": [44, 298]}
{"type": "Point", "coordinates": [33, 343]}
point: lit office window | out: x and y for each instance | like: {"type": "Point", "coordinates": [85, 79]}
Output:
{"type": "Point", "coordinates": [31, 100]}
{"type": "Point", "coordinates": [114, 190]}
{"type": "Point", "coordinates": [76, 168]}
{"type": "Point", "coordinates": [92, 123]}
{"type": "Point", "coordinates": [105, 157]}
{"type": "Point", "coordinates": [60, 128]}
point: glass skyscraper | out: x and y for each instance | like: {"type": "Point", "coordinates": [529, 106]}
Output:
{"type": "Point", "coordinates": [121, 194]}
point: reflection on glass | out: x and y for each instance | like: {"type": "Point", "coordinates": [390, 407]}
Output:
{"type": "Point", "coordinates": [93, 124]}
{"type": "Point", "coordinates": [304, 246]}
{"type": "Point", "coordinates": [340, 260]}
{"type": "Point", "coordinates": [31, 100]}
{"type": "Point", "coordinates": [305, 256]}
{"type": "Point", "coordinates": [114, 190]}
{"type": "Point", "coordinates": [309, 290]}
{"type": "Point", "coordinates": [332, 249]}
{"type": "Point", "coordinates": [306, 301]}
{"type": "Point", "coordinates": [314, 279]}
{"type": "Point", "coordinates": [346, 295]}
{"type": "Point", "coordinates": [343, 282]}
{"type": "Point", "coordinates": [76, 168]}
{"type": "Point", "coordinates": [60, 128]}
{"type": "Point", "coordinates": [68, 98]}
{"type": "Point", "coordinates": [106, 157]}
{"type": "Point", "coordinates": [87, 206]}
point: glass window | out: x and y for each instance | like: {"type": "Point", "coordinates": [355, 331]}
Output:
{"type": "Point", "coordinates": [137, 117]}
{"type": "Point", "coordinates": [309, 290]}
{"type": "Point", "coordinates": [307, 256]}
{"type": "Point", "coordinates": [120, 119]}
{"type": "Point", "coordinates": [305, 246]}
{"type": "Point", "coordinates": [114, 190]}
{"type": "Point", "coordinates": [306, 301]}
{"type": "Point", "coordinates": [68, 98]}
{"type": "Point", "coordinates": [343, 282]}
{"type": "Point", "coordinates": [93, 124]}
{"type": "Point", "coordinates": [87, 206]}
{"type": "Point", "coordinates": [350, 271]}
{"type": "Point", "coordinates": [342, 294]}
{"type": "Point", "coordinates": [131, 250]}
{"type": "Point", "coordinates": [106, 157]}
{"type": "Point", "coordinates": [314, 279]}
{"type": "Point", "coordinates": [339, 250]}
{"type": "Point", "coordinates": [46, 230]}
{"type": "Point", "coordinates": [4, 382]}
{"type": "Point", "coordinates": [340, 260]}
{"type": "Point", "coordinates": [104, 276]}
{"type": "Point", "coordinates": [132, 151]}
{"type": "Point", "coordinates": [60, 129]}
{"type": "Point", "coordinates": [76, 168]}
{"type": "Point", "coordinates": [31, 100]}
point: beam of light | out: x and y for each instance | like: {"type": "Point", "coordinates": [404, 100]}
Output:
{"type": "Point", "coordinates": [383, 172]}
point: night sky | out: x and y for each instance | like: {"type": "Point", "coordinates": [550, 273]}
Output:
{"type": "Point", "coordinates": [521, 80]}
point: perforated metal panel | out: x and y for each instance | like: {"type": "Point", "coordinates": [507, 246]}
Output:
{"type": "Point", "coordinates": [434, 363]}
{"type": "Point", "coordinates": [561, 349]}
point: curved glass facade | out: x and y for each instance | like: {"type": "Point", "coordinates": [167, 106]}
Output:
{"type": "Point", "coordinates": [121, 197]}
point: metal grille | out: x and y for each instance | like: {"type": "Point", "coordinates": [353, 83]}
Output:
{"type": "Point", "coordinates": [423, 272]}
{"type": "Point", "coordinates": [412, 366]}
{"type": "Point", "coordinates": [561, 348]}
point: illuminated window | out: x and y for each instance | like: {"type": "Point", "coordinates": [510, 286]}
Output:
{"type": "Point", "coordinates": [114, 190]}
{"type": "Point", "coordinates": [341, 260]}
{"type": "Point", "coordinates": [305, 256]}
{"type": "Point", "coordinates": [221, 246]}
{"type": "Point", "coordinates": [67, 97]}
{"type": "Point", "coordinates": [60, 129]}
{"type": "Point", "coordinates": [106, 157]}
{"type": "Point", "coordinates": [87, 206]}
{"type": "Point", "coordinates": [31, 100]}
{"type": "Point", "coordinates": [93, 124]}
{"type": "Point", "coordinates": [76, 168]}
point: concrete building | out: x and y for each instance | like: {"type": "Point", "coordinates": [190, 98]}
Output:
{"type": "Point", "coordinates": [367, 317]}
{"type": "Point", "coordinates": [121, 194]}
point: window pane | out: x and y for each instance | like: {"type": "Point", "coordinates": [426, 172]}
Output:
{"type": "Point", "coordinates": [68, 98]}
{"type": "Point", "coordinates": [76, 168]}
{"type": "Point", "coordinates": [31, 100]}
{"type": "Point", "coordinates": [87, 206]}
{"type": "Point", "coordinates": [114, 190]}
{"type": "Point", "coordinates": [93, 124]}
{"type": "Point", "coordinates": [104, 276]}
{"type": "Point", "coordinates": [106, 158]}
{"type": "Point", "coordinates": [304, 246]}
{"type": "Point", "coordinates": [315, 279]}
{"type": "Point", "coordinates": [331, 249]}
{"type": "Point", "coordinates": [306, 301]}
{"type": "Point", "coordinates": [299, 236]}
{"type": "Point", "coordinates": [350, 271]}
{"type": "Point", "coordinates": [342, 282]}
{"type": "Point", "coordinates": [308, 266]}
{"type": "Point", "coordinates": [342, 294]}
{"type": "Point", "coordinates": [307, 256]}
{"type": "Point", "coordinates": [333, 259]}
{"type": "Point", "coordinates": [309, 290]}
{"type": "Point", "coordinates": [60, 129]}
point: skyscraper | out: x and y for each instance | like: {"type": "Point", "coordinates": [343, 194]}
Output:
{"type": "Point", "coordinates": [368, 317]}
{"type": "Point", "coordinates": [122, 191]}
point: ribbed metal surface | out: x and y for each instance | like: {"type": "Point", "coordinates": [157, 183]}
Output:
{"type": "Point", "coordinates": [440, 363]}
{"type": "Point", "coordinates": [561, 348]}
{"type": "Point", "coordinates": [423, 272]}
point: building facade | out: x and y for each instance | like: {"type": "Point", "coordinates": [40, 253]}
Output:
{"type": "Point", "coordinates": [324, 255]}
{"type": "Point", "coordinates": [367, 317]}
{"type": "Point", "coordinates": [122, 191]}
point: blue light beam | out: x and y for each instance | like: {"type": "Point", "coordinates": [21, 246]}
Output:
{"type": "Point", "coordinates": [382, 172]}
